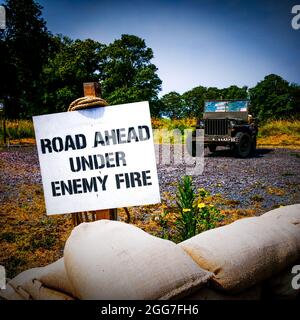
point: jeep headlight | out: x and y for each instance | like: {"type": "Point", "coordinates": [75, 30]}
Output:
{"type": "Point", "coordinates": [231, 124]}
{"type": "Point", "coordinates": [201, 124]}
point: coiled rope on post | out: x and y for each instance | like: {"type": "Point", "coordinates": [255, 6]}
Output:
{"type": "Point", "coordinates": [87, 103]}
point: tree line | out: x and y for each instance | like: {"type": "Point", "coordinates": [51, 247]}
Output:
{"type": "Point", "coordinates": [43, 73]}
{"type": "Point", "coordinates": [271, 98]}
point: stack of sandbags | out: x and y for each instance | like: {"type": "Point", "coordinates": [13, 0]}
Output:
{"type": "Point", "coordinates": [46, 283]}
{"type": "Point", "coordinates": [287, 213]}
{"type": "Point", "coordinates": [249, 250]}
{"type": "Point", "coordinates": [113, 260]}
{"type": "Point", "coordinates": [280, 285]}
{"type": "Point", "coordinates": [247, 259]}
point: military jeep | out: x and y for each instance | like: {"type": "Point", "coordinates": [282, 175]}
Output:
{"type": "Point", "coordinates": [227, 123]}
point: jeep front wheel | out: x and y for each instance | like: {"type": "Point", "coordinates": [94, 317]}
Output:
{"type": "Point", "coordinates": [243, 145]}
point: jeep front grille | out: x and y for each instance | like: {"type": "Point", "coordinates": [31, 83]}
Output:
{"type": "Point", "coordinates": [216, 127]}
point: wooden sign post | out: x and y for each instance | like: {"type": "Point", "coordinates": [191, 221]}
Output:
{"type": "Point", "coordinates": [93, 89]}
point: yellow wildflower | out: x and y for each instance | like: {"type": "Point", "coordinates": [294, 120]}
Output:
{"type": "Point", "coordinates": [201, 205]}
{"type": "Point", "coordinates": [186, 210]}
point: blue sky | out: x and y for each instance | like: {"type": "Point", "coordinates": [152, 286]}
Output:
{"type": "Point", "coordinates": [210, 43]}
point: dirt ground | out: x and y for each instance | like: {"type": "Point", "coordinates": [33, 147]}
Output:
{"type": "Point", "coordinates": [239, 188]}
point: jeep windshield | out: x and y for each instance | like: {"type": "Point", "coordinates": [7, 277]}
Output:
{"type": "Point", "coordinates": [226, 106]}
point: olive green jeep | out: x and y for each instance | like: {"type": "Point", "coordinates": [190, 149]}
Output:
{"type": "Point", "coordinates": [227, 123]}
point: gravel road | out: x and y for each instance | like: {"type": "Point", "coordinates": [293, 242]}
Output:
{"type": "Point", "coordinates": [270, 178]}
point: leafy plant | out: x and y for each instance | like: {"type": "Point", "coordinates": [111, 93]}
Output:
{"type": "Point", "coordinates": [194, 212]}
{"type": "Point", "coordinates": [207, 214]}
{"type": "Point", "coordinates": [186, 222]}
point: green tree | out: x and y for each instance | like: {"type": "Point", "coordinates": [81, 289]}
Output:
{"type": "Point", "coordinates": [74, 62]}
{"type": "Point", "coordinates": [194, 101]}
{"type": "Point", "coordinates": [272, 98]}
{"type": "Point", "coordinates": [172, 105]}
{"type": "Point", "coordinates": [213, 93]}
{"type": "Point", "coordinates": [295, 93]}
{"type": "Point", "coordinates": [127, 73]}
{"type": "Point", "coordinates": [235, 92]}
{"type": "Point", "coordinates": [26, 45]}
{"type": "Point", "coordinates": [191, 103]}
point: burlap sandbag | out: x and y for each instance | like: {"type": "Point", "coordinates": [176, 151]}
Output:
{"type": "Point", "coordinates": [37, 283]}
{"type": "Point", "coordinates": [23, 282]}
{"type": "Point", "coordinates": [245, 252]}
{"type": "Point", "coordinates": [287, 213]}
{"type": "Point", "coordinates": [114, 260]}
{"type": "Point", "coordinates": [280, 285]}
{"type": "Point", "coordinates": [35, 290]}
{"type": "Point", "coordinates": [9, 293]}
{"type": "Point", "coordinates": [54, 276]}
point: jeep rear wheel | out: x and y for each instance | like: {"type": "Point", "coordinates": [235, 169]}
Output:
{"type": "Point", "coordinates": [212, 147]}
{"type": "Point", "coordinates": [244, 145]}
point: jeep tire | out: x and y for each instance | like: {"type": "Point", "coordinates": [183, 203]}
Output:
{"type": "Point", "coordinates": [243, 145]}
{"type": "Point", "coordinates": [212, 147]}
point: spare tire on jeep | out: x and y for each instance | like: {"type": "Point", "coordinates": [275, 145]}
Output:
{"type": "Point", "coordinates": [243, 145]}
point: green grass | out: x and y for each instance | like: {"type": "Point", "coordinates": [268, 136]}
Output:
{"type": "Point", "coordinates": [257, 198]}
{"type": "Point", "coordinates": [295, 155]}
{"type": "Point", "coordinates": [276, 132]}
{"type": "Point", "coordinates": [8, 236]}
{"type": "Point", "coordinates": [181, 124]}
{"type": "Point", "coordinates": [279, 127]}
{"type": "Point", "coordinates": [18, 129]}
{"type": "Point", "coordinates": [13, 263]}
{"type": "Point", "coordinates": [281, 133]}
{"type": "Point", "coordinates": [288, 174]}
